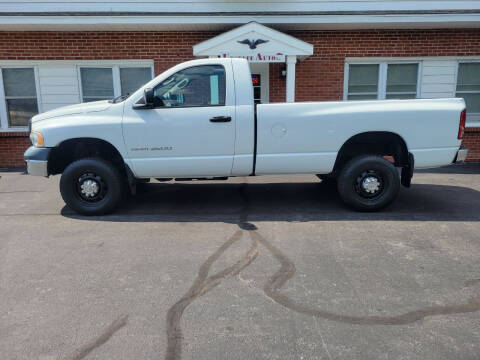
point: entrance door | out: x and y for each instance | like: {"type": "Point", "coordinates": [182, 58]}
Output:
{"type": "Point", "coordinates": [260, 79]}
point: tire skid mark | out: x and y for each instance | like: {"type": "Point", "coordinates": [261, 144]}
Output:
{"type": "Point", "coordinates": [287, 270]}
{"type": "Point", "coordinates": [203, 284]}
{"type": "Point", "coordinates": [107, 333]}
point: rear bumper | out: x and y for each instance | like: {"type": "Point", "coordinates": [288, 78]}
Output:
{"type": "Point", "coordinates": [461, 155]}
{"type": "Point", "coordinates": [37, 161]}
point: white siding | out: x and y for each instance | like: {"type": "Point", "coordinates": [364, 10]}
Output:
{"type": "Point", "coordinates": [58, 86]}
{"type": "Point", "coordinates": [438, 78]}
{"type": "Point", "coordinates": [234, 6]}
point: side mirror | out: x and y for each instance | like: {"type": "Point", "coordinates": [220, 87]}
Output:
{"type": "Point", "coordinates": [148, 101]}
{"type": "Point", "coordinates": [148, 97]}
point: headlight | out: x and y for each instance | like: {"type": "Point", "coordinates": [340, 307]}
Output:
{"type": "Point", "coordinates": [37, 139]}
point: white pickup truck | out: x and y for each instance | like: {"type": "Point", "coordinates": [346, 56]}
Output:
{"type": "Point", "coordinates": [198, 120]}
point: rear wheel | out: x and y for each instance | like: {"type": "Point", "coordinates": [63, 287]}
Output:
{"type": "Point", "coordinates": [91, 186]}
{"type": "Point", "coordinates": [368, 183]}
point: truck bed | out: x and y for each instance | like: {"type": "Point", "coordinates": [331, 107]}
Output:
{"type": "Point", "coordinates": [306, 137]}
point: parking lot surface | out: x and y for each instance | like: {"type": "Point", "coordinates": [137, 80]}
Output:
{"type": "Point", "coordinates": [250, 268]}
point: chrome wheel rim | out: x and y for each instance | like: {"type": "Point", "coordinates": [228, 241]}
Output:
{"type": "Point", "coordinates": [90, 187]}
{"type": "Point", "coordinates": [370, 184]}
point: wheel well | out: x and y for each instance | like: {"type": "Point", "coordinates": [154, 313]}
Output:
{"type": "Point", "coordinates": [380, 143]}
{"type": "Point", "coordinates": [74, 149]}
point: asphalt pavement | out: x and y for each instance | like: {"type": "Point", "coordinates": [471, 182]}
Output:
{"type": "Point", "coordinates": [249, 268]}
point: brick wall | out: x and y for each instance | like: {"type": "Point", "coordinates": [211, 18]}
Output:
{"type": "Point", "coordinates": [166, 48]}
{"type": "Point", "coordinates": [471, 140]}
{"type": "Point", "coordinates": [277, 85]}
{"type": "Point", "coordinates": [12, 147]}
{"type": "Point", "coordinates": [320, 77]}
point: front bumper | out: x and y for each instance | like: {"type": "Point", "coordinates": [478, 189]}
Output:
{"type": "Point", "coordinates": [461, 155]}
{"type": "Point", "coordinates": [37, 160]}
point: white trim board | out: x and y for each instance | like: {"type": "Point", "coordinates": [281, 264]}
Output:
{"type": "Point", "coordinates": [212, 22]}
{"type": "Point", "coordinates": [228, 6]}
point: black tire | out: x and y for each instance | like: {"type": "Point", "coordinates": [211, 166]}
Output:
{"type": "Point", "coordinates": [368, 183]}
{"type": "Point", "coordinates": [104, 177]}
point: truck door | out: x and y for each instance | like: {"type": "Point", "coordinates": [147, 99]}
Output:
{"type": "Point", "coordinates": [190, 131]}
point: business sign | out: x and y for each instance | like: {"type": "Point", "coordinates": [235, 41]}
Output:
{"type": "Point", "coordinates": [256, 57]}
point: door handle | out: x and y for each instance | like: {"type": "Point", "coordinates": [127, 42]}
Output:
{"type": "Point", "coordinates": [221, 119]}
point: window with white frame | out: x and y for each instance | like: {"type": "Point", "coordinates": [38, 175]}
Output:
{"type": "Point", "coordinates": [101, 83]}
{"type": "Point", "coordinates": [382, 81]}
{"type": "Point", "coordinates": [468, 86]}
{"type": "Point", "coordinates": [132, 78]}
{"type": "Point", "coordinates": [20, 96]}
{"type": "Point", "coordinates": [363, 81]}
{"type": "Point", "coordinates": [97, 83]}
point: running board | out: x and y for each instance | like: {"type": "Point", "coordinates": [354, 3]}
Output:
{"type": "Point", "coordinates": [204, 178]}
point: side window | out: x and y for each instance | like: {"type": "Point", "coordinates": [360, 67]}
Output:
{"type": "Point", "coordinates": [402, 81]}
{"type": "Point", "coordinates": [363, 82]}
{"type": "Point", "coordinates": [132, 78]}
{"type": "Point", "coordinates": [97, 83]}
{"type": "Point", "coordinates": [20, 95]}
{"type": "Point", "coordinates": [468, 86]}
{"type": "Point", "coordinates": [382, 81]}
{"type": "Point", "coordinates": [196, 86]}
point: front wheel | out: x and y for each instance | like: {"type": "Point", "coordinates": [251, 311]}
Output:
{"type": "Point", "coordinates": [91, 186]}
{"type": "Point", "coordinates": [368, 183]}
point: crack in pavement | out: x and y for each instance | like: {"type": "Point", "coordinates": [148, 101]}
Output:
{"type": "Point", "coordinates": [203, 284]}
{"type": "Point", "coordinates": [106, 334]}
